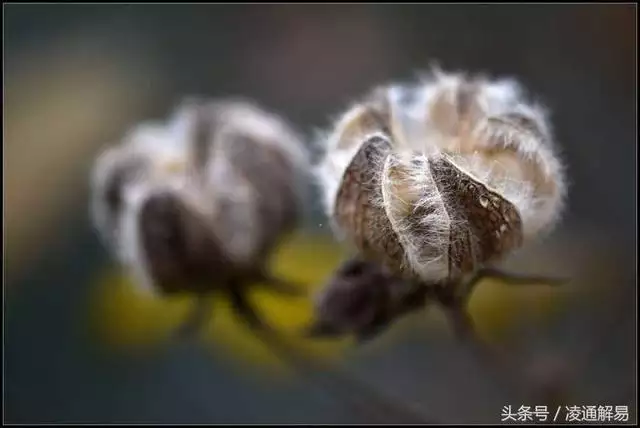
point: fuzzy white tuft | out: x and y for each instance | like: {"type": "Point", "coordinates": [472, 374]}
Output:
{"type": "Point", "coordinates": [103, 170]}
{"type": "Point", "coordinates": [238, 115]}
{"type": "Point", "coordinates": [341, 146]}
{"type": "Point", "coordinates": [408, 187]}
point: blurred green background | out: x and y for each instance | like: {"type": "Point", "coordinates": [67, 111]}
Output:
{"type": "Point", "coordinates": [81, 347]}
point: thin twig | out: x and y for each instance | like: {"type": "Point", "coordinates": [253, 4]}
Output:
{"type": "Point", "coordinates": [502, 365]}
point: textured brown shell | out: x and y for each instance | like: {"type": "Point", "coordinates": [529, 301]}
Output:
{"type": "Point", "coordinates": [272, 175]}
{"type": "Point", "coordinates": [179, 249]}
{"type": "Point", "coordinates": [265, 166]}
{"type": "Point", "coordinates": [484, 225]}
{"type": "Point", "coordinates": [358, 208]}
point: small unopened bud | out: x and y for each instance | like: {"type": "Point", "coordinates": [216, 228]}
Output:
{"type": "Point", "coordinates": [362, 299]}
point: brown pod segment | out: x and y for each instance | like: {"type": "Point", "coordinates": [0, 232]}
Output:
{"type": "Point", "coordinates": [485, 226]}
{"type": "Point", "coordinates": [482, 225]}
{"type": "Point", "coordinates": [358, 211]}
{"type": "Point", "coordinates": [180, 251]}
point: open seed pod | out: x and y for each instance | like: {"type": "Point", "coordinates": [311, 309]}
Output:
{"type": "Point", "coordinates": [437, 179]}
{"type": "Point", "coordinates": [199, 203]}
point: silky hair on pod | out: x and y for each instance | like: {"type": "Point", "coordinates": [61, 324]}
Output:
{"type": "Point", "coordinates": [442, 176]}
{"type": "Point", "coordinates": [215, 186]}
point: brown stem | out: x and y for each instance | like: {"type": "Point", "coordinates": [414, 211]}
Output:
{"type": "Point", "coordinates": [280, 285]}
{"type": "Point", "coordinates": [500, 363]}
{"type": "Point", "coordinates": [492, 357]}
{"type": "Point", "coordinates": [513, 278]}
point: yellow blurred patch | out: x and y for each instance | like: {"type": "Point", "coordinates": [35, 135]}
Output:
{"type": "Point", "coordinates": [129, 319]}
{"type": "Point", "coordinates": [496, 306]}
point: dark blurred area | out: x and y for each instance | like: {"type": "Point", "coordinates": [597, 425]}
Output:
{"type": "Point", "coordinates": [77, 77]}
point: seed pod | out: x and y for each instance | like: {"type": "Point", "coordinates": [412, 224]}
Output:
{"type": "Point", "coordinates": [438, 179]}
{"type": "Point", "coordinates": [199, 203]}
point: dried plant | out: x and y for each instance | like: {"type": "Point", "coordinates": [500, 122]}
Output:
{"type": "Point", "coordinates": [198, 204]}
{"type": "Point", "coordinates": [441, 180]}
{"type": "Point", "coordinates": [433, 185]}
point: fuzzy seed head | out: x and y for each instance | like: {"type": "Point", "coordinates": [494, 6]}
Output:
{"type": "Point", "coordinates": [219, 180]}
{"type": "Point", "coordinates": [440, 177]}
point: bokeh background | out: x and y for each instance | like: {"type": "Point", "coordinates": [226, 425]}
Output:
{"type": "Point", "coordinates": [81, 347]}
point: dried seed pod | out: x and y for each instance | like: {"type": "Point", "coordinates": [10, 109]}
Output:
{"type": "Point", "coordinates": [438, 179]}
{"type": "Point", "coordinates": [199, 203]}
